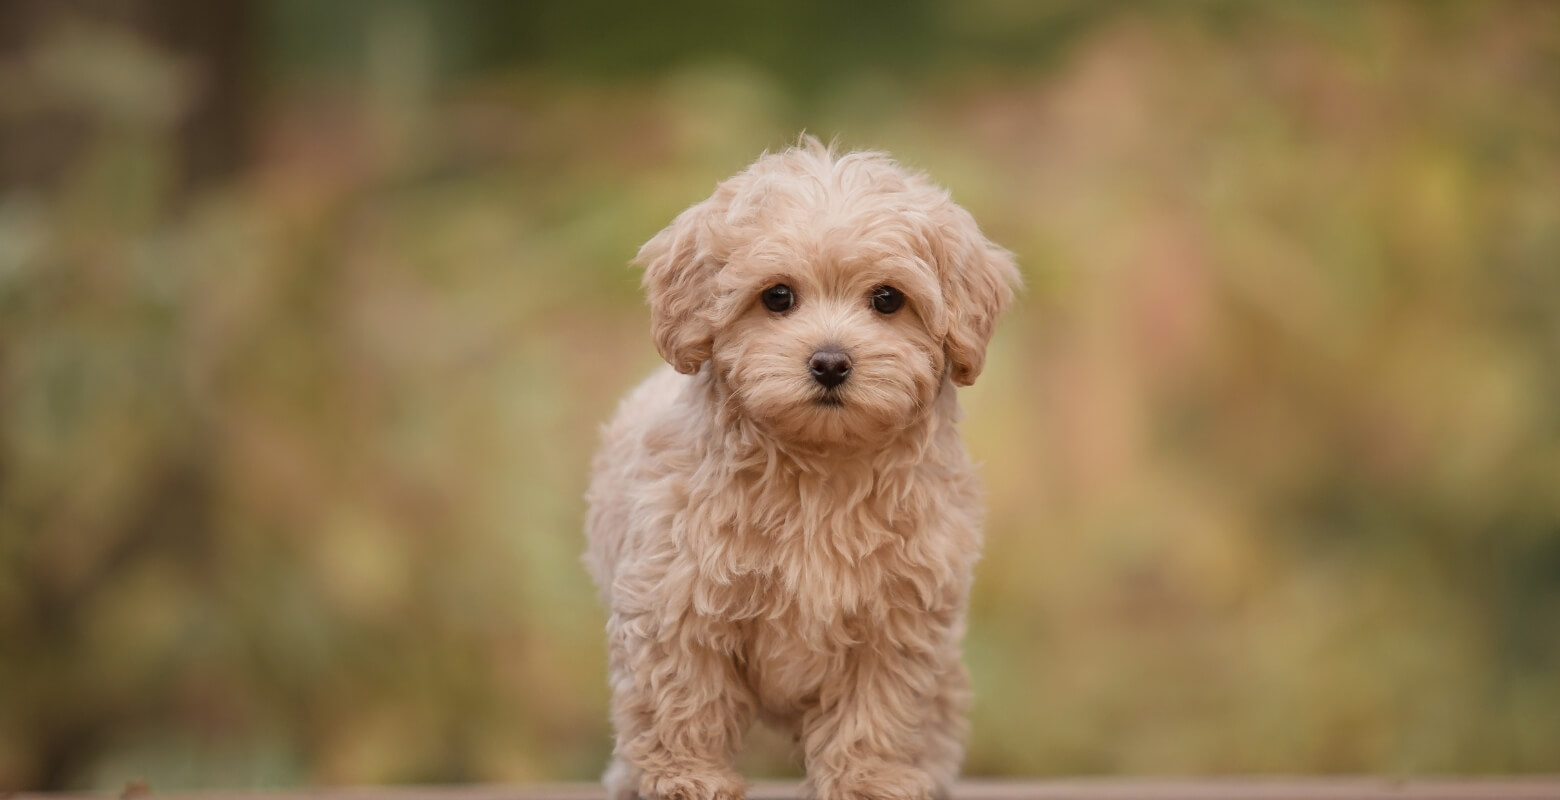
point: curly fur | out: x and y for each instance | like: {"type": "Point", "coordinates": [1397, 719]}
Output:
{"type": "Point", "coordinates": [767, 556]}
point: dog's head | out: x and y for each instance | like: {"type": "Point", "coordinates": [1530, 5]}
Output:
{"type": "Point", "coordinates": [831, 293]}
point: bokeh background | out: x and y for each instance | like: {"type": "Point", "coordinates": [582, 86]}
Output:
{"type": "Point", "coordinates": [309, 312]}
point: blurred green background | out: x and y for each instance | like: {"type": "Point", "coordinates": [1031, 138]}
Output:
{"type": "Point", "coordinates": [309, 312]}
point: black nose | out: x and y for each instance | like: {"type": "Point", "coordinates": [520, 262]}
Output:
{"type": "Point", "coordinates": [829, 367]}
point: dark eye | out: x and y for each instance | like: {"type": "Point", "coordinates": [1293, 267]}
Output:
{"type": "Point", "coordinates": [778, 298]}
{"type": "Point", "coordinates": [887, 299]}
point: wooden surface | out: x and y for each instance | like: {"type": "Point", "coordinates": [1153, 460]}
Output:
{"type": "Point", "coordinates": [1525, 788]}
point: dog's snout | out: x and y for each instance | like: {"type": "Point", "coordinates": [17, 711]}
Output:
{"type": "Point", "coordinates": [829, 367]}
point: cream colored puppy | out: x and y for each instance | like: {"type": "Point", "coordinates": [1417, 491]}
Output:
{"type": "Point", "coordinates": [784, 527]}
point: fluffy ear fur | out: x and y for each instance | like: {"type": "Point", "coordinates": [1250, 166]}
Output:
{"type": "Point", "coordinates": [978, 279]}
{"type": "Point", "coordinates": [679, 263]}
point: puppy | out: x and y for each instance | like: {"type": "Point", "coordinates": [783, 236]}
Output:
{"type": "Point", "coordinates": [783, 524]}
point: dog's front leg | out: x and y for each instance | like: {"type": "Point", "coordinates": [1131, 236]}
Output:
{"type": "Point", "coordinates": [867, 739]}
{"type": "Point", "coordinates": [680, 711]}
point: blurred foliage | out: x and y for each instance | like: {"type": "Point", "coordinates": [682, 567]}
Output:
{"type": "Point", "coordinates": [291, 460]}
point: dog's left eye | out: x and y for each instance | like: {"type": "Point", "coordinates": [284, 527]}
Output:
{"type": "Point", "coordinates": [887, 299]}
{"type": "Point", "coordinates": [778, 298]}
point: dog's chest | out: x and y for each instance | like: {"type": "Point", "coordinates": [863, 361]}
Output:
{"type": "Point", "coordinates": [806, 630]}
{"type": "Point", "coordinates": [792, 593]}
{"type": "Point", "coordinates": [806, 557]}
{"type": "Point", "coordinates": [790, 573]}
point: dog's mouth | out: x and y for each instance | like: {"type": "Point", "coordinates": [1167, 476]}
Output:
{"type": "Point", "coordinates": [830, 399]}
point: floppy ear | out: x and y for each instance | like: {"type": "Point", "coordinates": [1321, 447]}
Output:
{"type": "Point", "coordinates": [679, 265]}
{"type": "Point", "coordinates": [978, 281]}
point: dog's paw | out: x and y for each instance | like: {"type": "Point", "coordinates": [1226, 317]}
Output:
{"type": "Point", "coordinates": [877, 780]}
{"type": "Point", "coordinates": [692, 786]}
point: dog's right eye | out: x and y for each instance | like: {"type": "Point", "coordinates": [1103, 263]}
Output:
{"type": "Point", "coordinates": [778, 298]}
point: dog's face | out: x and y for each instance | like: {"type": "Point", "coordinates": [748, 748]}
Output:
{"type": "Point", "coordinates": [830, 295]}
